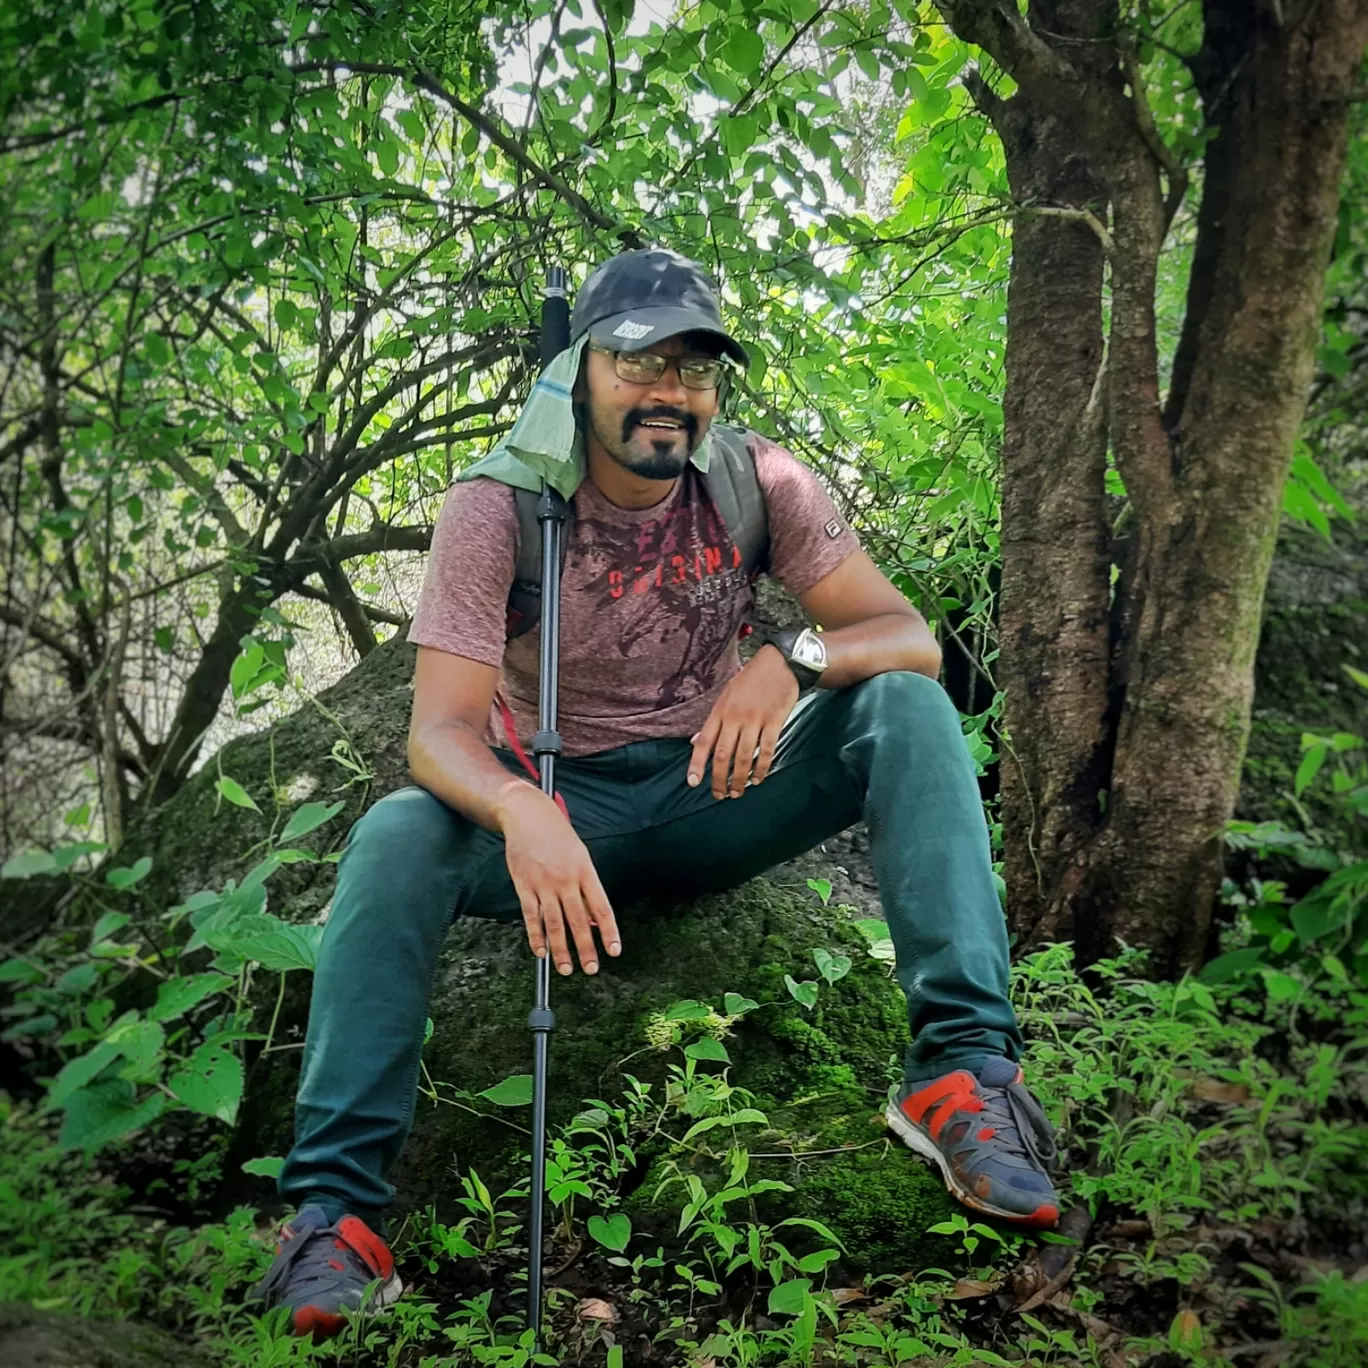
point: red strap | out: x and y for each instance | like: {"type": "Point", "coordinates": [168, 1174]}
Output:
{"type": "Point", "coordinates": [511, 731]}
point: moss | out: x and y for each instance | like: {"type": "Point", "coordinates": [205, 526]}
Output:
{"type": "Point", "coordinates": [877, 1197]}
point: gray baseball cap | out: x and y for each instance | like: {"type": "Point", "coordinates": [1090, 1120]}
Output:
{"type": "Point", "coordinates": [639, 298]}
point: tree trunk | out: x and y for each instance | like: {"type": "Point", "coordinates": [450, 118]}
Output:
{"type": "Point", "coordinates": [1128, 704]}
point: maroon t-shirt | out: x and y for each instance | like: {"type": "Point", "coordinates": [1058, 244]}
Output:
{"type": "Point", "coordinates": [652, 600]}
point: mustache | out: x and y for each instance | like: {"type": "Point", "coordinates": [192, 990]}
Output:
{"type": "Point", "coordinates": [635, 417]}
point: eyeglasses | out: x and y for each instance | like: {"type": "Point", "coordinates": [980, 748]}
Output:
{"type": "Point", "coordinates": [644, 368]}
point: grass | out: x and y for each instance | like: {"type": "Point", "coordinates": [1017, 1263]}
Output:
{"type": "Point", "coordinates": [1215, 1146]}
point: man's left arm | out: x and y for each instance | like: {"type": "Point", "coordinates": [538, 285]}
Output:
{"type": "Point", "coordinates": [868, 628]}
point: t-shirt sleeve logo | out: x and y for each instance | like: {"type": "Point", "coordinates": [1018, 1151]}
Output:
{"type": "Point", "coordinates": [833, 529]}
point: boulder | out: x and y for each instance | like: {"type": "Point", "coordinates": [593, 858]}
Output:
{"type": "Point", "coordinates": [30, 1338]}
{"type": "Point", "coordinates": [820, 1074]}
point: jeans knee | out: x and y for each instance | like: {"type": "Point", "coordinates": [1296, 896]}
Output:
{"type": "Point", "coordinates": [897, 693]}
{"type": "Point", "coordinates": [400, 835]}
{"type": "Point", "coordinates": [901, 703]}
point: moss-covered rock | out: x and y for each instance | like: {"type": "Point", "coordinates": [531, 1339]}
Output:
{"type": "Point", "coordinates": [32, 1337]}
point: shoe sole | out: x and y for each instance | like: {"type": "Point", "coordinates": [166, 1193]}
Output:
{"type": "Point", "coordinates": [1044, 1217]}
{"type": "Point", "coordinates": [321, 1324]}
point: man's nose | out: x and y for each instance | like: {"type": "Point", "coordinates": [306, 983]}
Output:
{"type": "Point", "coordinates": [669, 388]}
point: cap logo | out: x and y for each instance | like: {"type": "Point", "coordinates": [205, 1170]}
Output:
{"type": "Point", "coordinates": [833, 528]}
{"type": "Point", "coordinates": [634, 332]}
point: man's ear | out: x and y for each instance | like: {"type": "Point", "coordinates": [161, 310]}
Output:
{"type": "Point", "coordinates": [579, 392]}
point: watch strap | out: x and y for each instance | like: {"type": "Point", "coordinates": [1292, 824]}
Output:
{"type": "Point", "coordinates": [784, 641]}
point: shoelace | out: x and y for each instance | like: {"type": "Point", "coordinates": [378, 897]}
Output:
{"type": "Point", "coordinates": [310, 1258]}
{"type": "Point", "coordinates": [1020, 1126]}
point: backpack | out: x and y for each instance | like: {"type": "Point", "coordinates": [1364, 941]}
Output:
{"type": "Point", "coordinates": [732, 485]}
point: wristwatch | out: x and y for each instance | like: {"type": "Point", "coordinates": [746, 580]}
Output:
{"type": "Point", "coordinates": [805, 652]}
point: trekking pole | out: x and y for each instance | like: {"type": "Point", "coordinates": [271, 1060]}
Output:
{"type": "Point", "coordinates": [546, 745]}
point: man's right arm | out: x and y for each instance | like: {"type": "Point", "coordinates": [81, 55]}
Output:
{"type": "Point", "coordinates": [550, 866]}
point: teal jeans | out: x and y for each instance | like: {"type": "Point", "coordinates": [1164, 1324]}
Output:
{"type": "Point", "coordinates": [889, 750]}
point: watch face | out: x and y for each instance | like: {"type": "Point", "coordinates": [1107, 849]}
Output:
{"type": "Point", "coordinates": [810, 650]}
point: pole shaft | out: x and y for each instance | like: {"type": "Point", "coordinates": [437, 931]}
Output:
{"type": "Point", "coordinates": [551, 513]}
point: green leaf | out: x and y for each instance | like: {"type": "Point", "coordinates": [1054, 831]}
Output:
{"type": "Point", "coordinates": [708, 1048]}
{"type": "Point", "coordinates": [108, 925]}
{"type": "Point", "coordinates": [688, 1010]}
{"type": "Point", "coordinates": [235, 793]}
{"type": "Point", "coordinates": [178, 996]}
{"type": "Point", "coordinates": [736, 1005]}
{"type": "Point", "coordinates": [267, 941]}
{"type": "Point", "coordinates": [822, 888]}
{"type": "Point", "coordinates": [1281, 987]}
{"type": "Point", "coordinates": [268, 1166]}
{"type": "Point", "coordinates": [1311, 763]}
{"type": "Point", "coordinates": [514, 1091]}
{"type": "Point", "coordinates": [305, 819]}
{"type": "Point", "coordinates": [612, 1233]}
{"type": "Point", "coordinates": [805, 993]}
{"type": "Point", "coordinates": [833, 968]}
{"type": "Point", "coordinates": [66, 855]}
{"type": "Point", "coordinates": [127, 877]}
{"type": "Point", "coordinates": [744, 51]}
{"type": "Point", "coordinates": [1233, 964]}
{"type": "Point", "coordinates": [790, 1298]}
{"type": "Point", "coordinates": [20, 971]}
{"type": "Point", "coordinates": [211, 1082]}
{"type": "Point", "coordinates": [27, 864]}
{"type": "Point", "coordinates": [105, 1112]}
{"type": "Point", "coordinates": [76, 1073]}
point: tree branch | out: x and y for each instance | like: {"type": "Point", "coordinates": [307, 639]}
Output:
{"type": "Point", "coordinates": [426, 81]}
{"type": "Point", "coordinates": [375, 614]}
{"type": "Point", "coordinates": [998, 27]}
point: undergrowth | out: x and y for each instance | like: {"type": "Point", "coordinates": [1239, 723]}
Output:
{"type": "Point", "coordinates": [1211, 1131]}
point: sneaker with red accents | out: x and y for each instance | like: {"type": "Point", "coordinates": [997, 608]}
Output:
{"type": "Point", "coordinates": [322, 1272]}
{"type": "Point", "coordinates": [989, 1138]}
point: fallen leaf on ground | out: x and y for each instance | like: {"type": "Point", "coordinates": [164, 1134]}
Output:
{"type": "Point", "coordinates": [845, 1295]}
{"type": "Point", "coordinates": [595, 1308]}
{"type": "Point", "coordinates": [1129, 1230]}
{"type": "Point", "coordinates": [968, 1288]}
{"type": "Point", "coordinates": [1213, 1090]}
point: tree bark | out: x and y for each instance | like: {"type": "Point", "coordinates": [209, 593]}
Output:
{"type": "Point", "coordinates": [1128, 705]}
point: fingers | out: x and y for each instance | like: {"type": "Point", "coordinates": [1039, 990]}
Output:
{"type": "Point", "coordinates": [769, 743]}
{"type": "Point", "coordinates": [554, 922]}
{"type": "Point", "coordinates": [532, 920]}
{"type": "Point", "coordinates": [582, 929]}
{"type": "Point", "coordinates": [702, 744]}
{"type": "Point", "coordinates": [746, 744]}
{"type": "Point", "coordinates": [601, 914]}
{"type": "Point", "coordinates": [557, 917]}
{"type": "Point", "coordinates": [723, 752]}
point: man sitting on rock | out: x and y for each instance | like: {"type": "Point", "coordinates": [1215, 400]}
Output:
{"type": "Point", "coordinates": [682, 770]}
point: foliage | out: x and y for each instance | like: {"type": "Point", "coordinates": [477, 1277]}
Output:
{"type": "Point", "coordinates": [1138, 1072]}
{"type": "Point", "coordinates": [273, 275]}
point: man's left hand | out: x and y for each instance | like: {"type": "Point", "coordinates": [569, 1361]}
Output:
{"type": "Point", "coordinates": [743, 728]}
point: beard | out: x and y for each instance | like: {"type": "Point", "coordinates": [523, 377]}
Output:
{"type": "Point", "coordinates": [652, 455]}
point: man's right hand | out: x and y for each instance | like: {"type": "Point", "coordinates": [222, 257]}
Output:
{"type": "Point", "coordinates": [555, 880]}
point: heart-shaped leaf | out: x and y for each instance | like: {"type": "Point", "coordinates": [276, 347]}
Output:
{"type": "Point", "coordinates": [613, 1233]}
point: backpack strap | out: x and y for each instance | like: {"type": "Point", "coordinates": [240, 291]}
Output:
{"type": "Point", "coordinates": [734, 488]}
{"type": "Point", "coordinates": [525, 594]}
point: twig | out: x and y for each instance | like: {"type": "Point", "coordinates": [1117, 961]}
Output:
{"type": "Point", "coordinates": [1084, 216]}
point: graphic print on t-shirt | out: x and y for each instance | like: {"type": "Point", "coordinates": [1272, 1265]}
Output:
{"type": "Point", "coordinates": [663, 588]}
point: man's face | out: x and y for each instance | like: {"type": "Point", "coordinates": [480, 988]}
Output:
{"type": "Point", "coordinates": [653, 428]}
